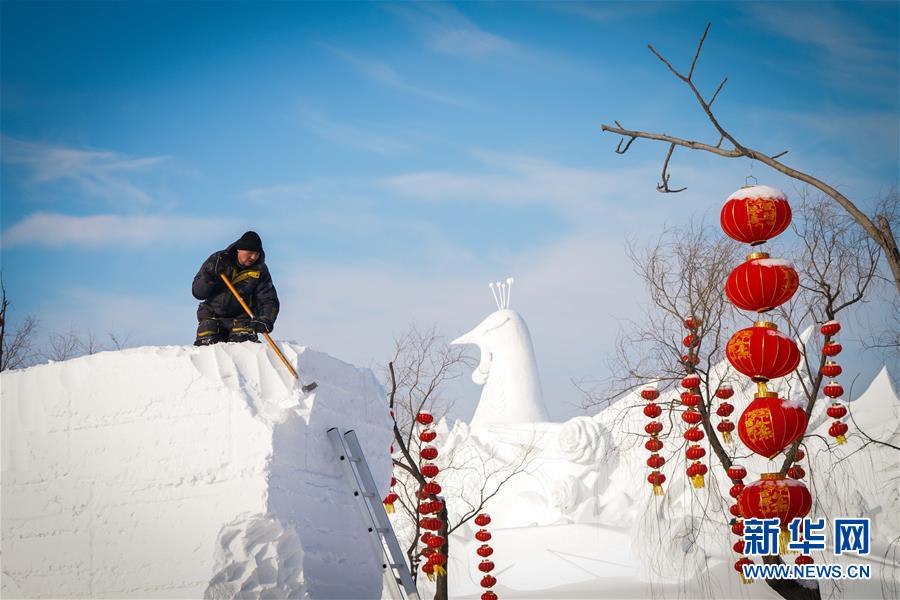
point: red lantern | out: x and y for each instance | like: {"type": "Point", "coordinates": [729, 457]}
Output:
{"type": "Point", "coordinates": [691, 417]}
{"type": "Point", "coordinates": [435, 541]}
{"type": "Point", "coordinates": [735, 511]}
{"type": "Point", "coordinates": [488, 581]}
{"type": "Point", "coordinates": [484, 551]}
{"type": "Point", "coordinates": [762, 352]}
{"type": "Point", "coordinates": [696, 471]}
{"type": "Point", "coordinates": [430, 470]}
{"type": "Point", "coordinates": [692, 322]}
{"type": "Point", "coordinates": [736, 472]}
{"type": "Point", "coordinates": [739, 567]}
{"type": "Point", "coordinates": [690, 341]}
{"type": "Point", "coordinates": [796, 472]}
{"type": "Point", "coordinates": [755, 214]}
{"type": "Point", "coordinates": [836, 411]}
{"type": "Point", "coordinates": [769, 425]}
{"type": "Point", "coordinates": [652, 410]}
{"type": "Point", "coordinates": [694, 435]}
{"type": "Point", "coordinates": [724, 409]}
{"type": "Point", "coordinates": [428, 569]}
{"type": "Point", "coordinates": [831, 369]}
{"type": "Point", "coordinates": [737, 528]}
{"type": "Point", "coordinates": [725, 428]}
{"type": "Point", "coordinates": [800, 455]}
{"type": "Point", "coordinates": [649, 393]}
{"type": "Point", "coordinates": [691, 381]}
{"type": "Point", "coordinates": [832, 349]}
{"type": "Point", "coordinates": [432, 488]}
{"type": "Point", "coordinates": [804, 559]}
{"type": "Point", "coordinates": [735, 491]}
{"type": "Point", "coordinates": [830, 328]}
{"type": "Point", "coordinates": [486, 566]}
{"type": "Point", "coordinates": [838, 431]}
{"type": "Point", "coordinates": [424, 418]}
{"type": "Point", "coordinates": [653, 445]}
{"type": "Point", "coordinates": [483, 520]}
{"type": "Point", "coordinates": [655, 461]}
{"type": "Point", "coordinates": [690, 398]}
{"type": "Point", "coordinates": [656, 479]}
{"type": "Point", "coordinates": [483, 535]}
{"type": "Point", "coordinates": [389, 502]}
{"type": "Point", "coordinates": [427, 435]}
{"type": "Point", "coordinates": [489, 595]}
{"type": "Point", "coordinates": [690, 359]}
{"type": "Point", "coordinates": [429, 453]}
{"type": "Point", "coordinates": [738, 546]}
{"type": "Point", "coordinates": [833, 390]}
{"type": "Point", "coordinates": [653, 428]}
{"type": "Point", "coordinates": [776, 496]}
{"type": "Point", "coordinates": [761, 283]}
{"type": "Point", "coordinates": [695, 452]}
{"type": "Point", "coordinates": [725, 391]}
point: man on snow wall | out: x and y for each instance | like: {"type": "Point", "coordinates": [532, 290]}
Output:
{"type": "Point", "coordinates": [220, 315]}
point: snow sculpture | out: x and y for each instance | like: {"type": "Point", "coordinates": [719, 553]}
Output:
{"type": "Point", "coordinates": [581, 440]}
{"type": "Point", "coordinates": [508, 369]}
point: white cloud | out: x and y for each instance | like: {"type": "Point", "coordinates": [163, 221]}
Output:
{"type": "Point", "coordinates": [348, 135]}
{"type": "Point", "coordinates": [445, 29]}
{"type": "Point", "coordinates": [57, 230]}
{"type": "Point", "coordinates": [99, 174]}
{"type": "Point", "coordinates": [381, 72]}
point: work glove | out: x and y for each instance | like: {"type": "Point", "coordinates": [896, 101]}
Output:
{"type": "Point", "coordinates": [219, 266]}
{"type": "Point", "coordinates": [261, 326]}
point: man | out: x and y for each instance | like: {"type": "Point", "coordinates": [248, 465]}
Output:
{"type": "Point", "coordinates": [221, 317]}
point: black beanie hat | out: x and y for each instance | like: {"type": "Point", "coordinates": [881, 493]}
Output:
{"type": "Point", "coordinates": [250, 241]}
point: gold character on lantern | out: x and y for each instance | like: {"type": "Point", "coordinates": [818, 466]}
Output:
{"type": "Point", "coordinates": [774, 501]}
{"type": "Point", "coordinates": [760, 211]}
{"type": "Point", "coordinates": [758, 424]}
{"type": "Point", "coordinates": [739, 346]}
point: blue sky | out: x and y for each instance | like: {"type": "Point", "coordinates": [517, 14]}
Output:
{"type": "Point", "coordinates": [397, 157]}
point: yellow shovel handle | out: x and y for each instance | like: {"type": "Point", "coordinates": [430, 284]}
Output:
{"type": "Point", "coordinates": [266, 335]}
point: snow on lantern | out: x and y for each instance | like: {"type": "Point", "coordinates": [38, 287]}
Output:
{"type": "Point", "coordinates": [755, 214]}
{"type": "Point", "coordinates": [761, 283]}
{"type": "Point", "coordinates": [776, 496]}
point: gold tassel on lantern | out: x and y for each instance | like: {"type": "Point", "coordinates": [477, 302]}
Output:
{"type": "Point", "coordinates": [440, 571]}
{"type": "Point", "coordinates": [698, 481]}
{"type": "Point", "coordinates": [783, 539]}
{"type": "Point", "coordinates": [841, 439]}
{"type": "Point", "coordinates": [389, 508]}
{"type": "Point", "coordinates": [657, 490]}
{"type": "Point", "coordinates": [726, 437]}
{"type": "Point", "coordinates": [745, 580]}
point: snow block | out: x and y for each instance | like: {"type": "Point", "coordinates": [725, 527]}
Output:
{"type": "Point", "coordinates": [187, 472]}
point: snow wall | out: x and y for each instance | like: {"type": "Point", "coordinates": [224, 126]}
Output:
{"type": "Point", "coordinates": [187, 472]}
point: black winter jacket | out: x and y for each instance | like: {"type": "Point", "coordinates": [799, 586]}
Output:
{"type": "Point", "coordinates": [253, 283]}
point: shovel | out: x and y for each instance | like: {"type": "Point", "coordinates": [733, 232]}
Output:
{"type": "Point", "coordinates": [306, 388]}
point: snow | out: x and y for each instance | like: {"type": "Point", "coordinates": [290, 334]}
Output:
{"type": "Point", "coordinates": [508, 370]}
{"type": "Point", "coordinates": [774, 262]}
{"type": "Point", "coordinates": [183, 472]}
{"type": "Point", "coordinates": [757, 191]}
{"type": "Point", "coordinates": [204, 472]}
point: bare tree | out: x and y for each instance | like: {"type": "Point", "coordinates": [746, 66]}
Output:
{"type": "Point", "coordinates": [685, 274]}
{"type": "Point", "coordinates": [17, 347]}
{"type": "Point", "coordinates": [422, 364]}
{"type": "Point", "coordinates": [878, 227]}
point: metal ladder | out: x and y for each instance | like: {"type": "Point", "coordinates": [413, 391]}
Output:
{"type": "Point", "coordinates": [397, 578]}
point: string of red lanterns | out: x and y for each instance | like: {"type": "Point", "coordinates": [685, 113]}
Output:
{"type": "Point", "coordinates": [654, 444]}
{"type": "Point", "coordinates": [485, 551]}
{"type": "Point", "coordinates": [737, 473]}
{"type": "Point", "coordinates": [836, 410]}
{"type": "Point", "coordinates": [391, 497]}
{"type": "Point", "coordinates": [725, 426]}
{"type": "Point", "coordinates": [769, 424]}
{"type": "Point", "coordinates": [435, 559]}
{"type": "Point", "coordinates": [690, 399]}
